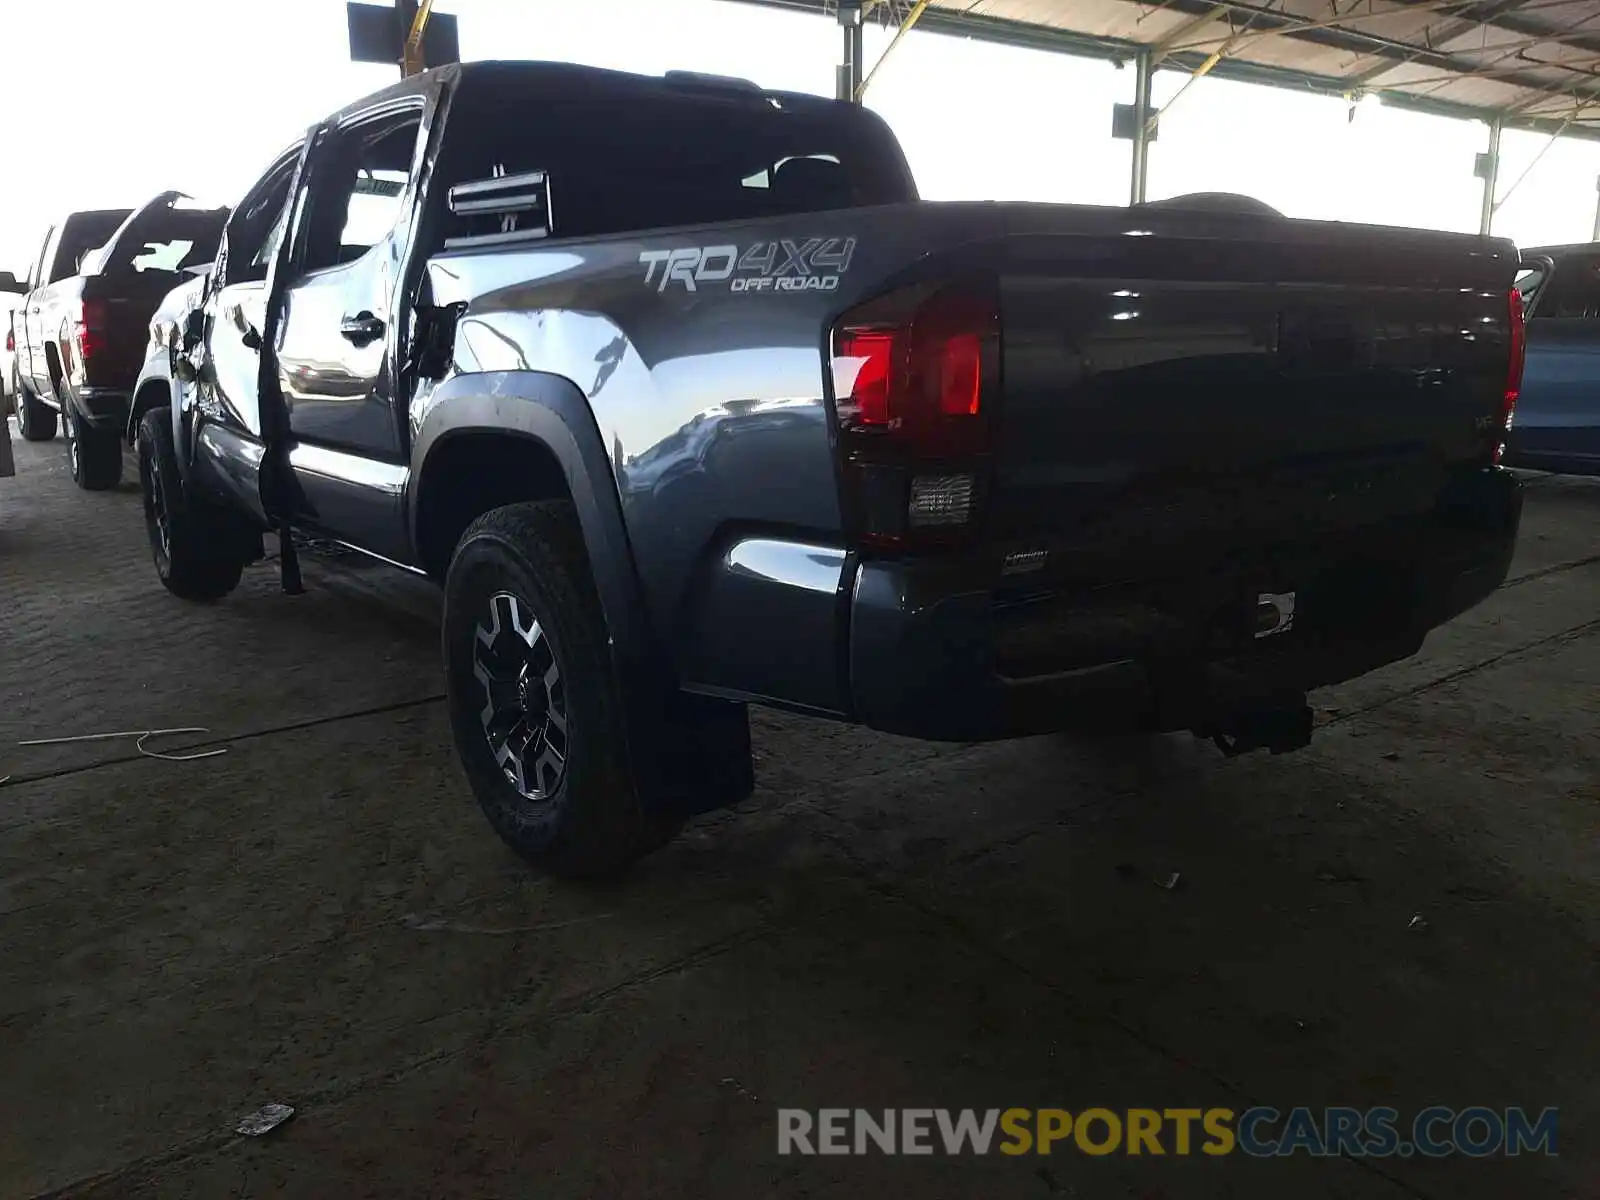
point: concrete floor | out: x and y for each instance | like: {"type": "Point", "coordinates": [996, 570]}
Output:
{"type": "Point", "coordinates": [322, 917]}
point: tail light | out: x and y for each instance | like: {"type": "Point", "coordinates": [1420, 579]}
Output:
{"type": "Point", "coordinates": [89, 329]}
{"type": "Point", "coordinates": [916, 379]}
{"type": "Point", "coordinates": [1518, 331]}
{"type": "Point", "coordinates": [11, 342]}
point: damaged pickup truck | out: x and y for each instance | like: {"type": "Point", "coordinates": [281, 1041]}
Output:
{"type": "Point", "coordinates": [690, 403]}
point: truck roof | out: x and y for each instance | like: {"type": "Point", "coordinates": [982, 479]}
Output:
{"type": "Point", "coordinates": [488, 73]}
{"type": "Point", "coordinates": [1563, 251]}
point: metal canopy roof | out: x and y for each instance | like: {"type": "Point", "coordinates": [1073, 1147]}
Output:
{"type": "Point", "coordinates": [1534, 63]}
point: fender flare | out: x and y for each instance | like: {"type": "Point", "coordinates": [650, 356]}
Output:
{"type": "Point", "coordinates": [550, 410]}
{"type": "Point", "coordinates": [157, 371]}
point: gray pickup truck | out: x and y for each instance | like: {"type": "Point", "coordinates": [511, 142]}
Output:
{"type": "Point", "coordinates": [690, 403]}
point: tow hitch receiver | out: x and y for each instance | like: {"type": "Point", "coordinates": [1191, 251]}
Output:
{"type": "Point", "coordinates": [1279, 726]}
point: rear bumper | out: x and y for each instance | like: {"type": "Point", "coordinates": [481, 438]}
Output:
{"type": "Point", "coordinates": [935, 652]}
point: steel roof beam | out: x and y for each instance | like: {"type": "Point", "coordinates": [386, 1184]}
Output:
{"type": "Point", "coordinates": [1030, 36]}
{"type": "Point", "coordinates": [1374, 45]}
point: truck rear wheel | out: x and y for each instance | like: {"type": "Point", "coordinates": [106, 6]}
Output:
{"type": "Point", "coordinates": [95, 455]}
{"type": "Point", "coordinates": [535, 705]}
{"type": "Point", "coordinates": [35, 420]}
{"type": "Point", "coordinates": [200, 548]}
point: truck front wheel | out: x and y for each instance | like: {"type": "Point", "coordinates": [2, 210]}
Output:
{"type": "Point", "coordinates": [535, 706]}
{"type": "Point", "coordinates": [200, 548]}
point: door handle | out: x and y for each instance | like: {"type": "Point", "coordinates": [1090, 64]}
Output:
{"type": "Point", "coordinates": [361, 328]}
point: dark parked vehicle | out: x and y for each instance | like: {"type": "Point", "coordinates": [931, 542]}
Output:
{"type": "Point", "coordinates": [10, 297]}
{"type": "Point", "coordinates": [81, 331]}
{"type": "Point", "coordinates": [1557, 426]}
{"type": "Point", "coordinates": [690, 403]}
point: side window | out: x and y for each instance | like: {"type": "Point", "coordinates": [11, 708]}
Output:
{"type": "Point", "coordinates": [359, 200]}
{"type": "Point", "coordinates": [37, 273]}
{"type": "Point", "coordinates": [257, 225]}
{"type": "Point", "coordinates": [47, 261]}
{"type": "Point", "coordinates": [1574, 292]}
{"type": "Point", "coordinates": [262, 259]}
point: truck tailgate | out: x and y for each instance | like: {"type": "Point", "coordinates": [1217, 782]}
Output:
{"type": "Point", "coordinates": [1182, 396]}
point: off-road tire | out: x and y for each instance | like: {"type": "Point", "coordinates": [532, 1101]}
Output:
{"type": "Point", "coordinates": [94, 455]}
{"type": "Point", "coordinates": [203, 548]}
{"type": "Point", "coordinates": [36, 420]}
{"type": "Point", "coordinates": [591, 823]}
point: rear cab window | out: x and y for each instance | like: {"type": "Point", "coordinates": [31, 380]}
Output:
{"type": "Point", "coordinates": [168, 241]}
{"type": "Point", "coordinates": [646, 155]}
{"type": "Point", "coordinates": [82, 234]}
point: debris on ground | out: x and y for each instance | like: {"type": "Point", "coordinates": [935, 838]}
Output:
{"type": "Point", "coordinates": [264, 1120]}
{"type": "Point", "coordinates": [1391, 756]}
{"type": "Point", "coordinates": [1170, 883]}
{"type": "Point", "coordinates": [141, 736]}
{"type": "Point", "coordinates": [730, 1082]}
{"type": "Point", "coordinates": [1417, 923]}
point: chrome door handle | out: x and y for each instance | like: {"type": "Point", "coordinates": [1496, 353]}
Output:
{"type": "Point", "coordinates": [361, 328]}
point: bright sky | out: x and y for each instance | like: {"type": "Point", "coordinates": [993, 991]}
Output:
{"type": "Point", "coordinates": [200, 94]}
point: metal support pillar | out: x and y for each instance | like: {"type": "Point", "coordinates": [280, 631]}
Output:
{"type": "Point", "coordinates": [1144, 68]}
{"type": "Point", "coordinates": [1595, 236]}
{"type": "Point", "coordinates": [850, 69]}
{"type": "Point", "coordinates": [1488, 170]}
{"type": "Point", "coordinates": [412, 17]}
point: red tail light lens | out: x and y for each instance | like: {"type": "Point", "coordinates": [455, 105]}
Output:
{"type": "Point", "coordinates": [11, 342]}
{"type": "Point", "coordinates": [89, 329]}
{"type": "Point", "coordinates": [872, 352]}
{"type": "Point", "coordinates": [915, 383]}
{"type": "Point", "coordinates": [1518, 330]}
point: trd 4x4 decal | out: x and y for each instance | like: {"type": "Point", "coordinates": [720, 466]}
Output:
{"type": "Point", "coordinates": [799, 265]}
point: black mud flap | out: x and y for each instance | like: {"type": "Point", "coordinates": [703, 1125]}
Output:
{"type": "Point", "coordinates": [692, 754]}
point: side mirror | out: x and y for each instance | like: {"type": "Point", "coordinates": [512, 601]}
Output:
{"type": "Point", "coordinates": [9, 283]}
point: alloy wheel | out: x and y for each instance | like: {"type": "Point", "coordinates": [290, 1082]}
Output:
{"type": "Point", "coordinates": [524, 713]}
{"type": "Point", "coordinates": [157, 515]}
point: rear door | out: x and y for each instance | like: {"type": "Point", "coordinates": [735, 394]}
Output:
{"type": "Point", "coordinates": [338, 349]}
{"type": "Point", "coordinates": [336, 355]}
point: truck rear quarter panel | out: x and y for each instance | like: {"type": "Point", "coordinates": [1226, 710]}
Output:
{"type": "Point", "coordinates": [706, 385]}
